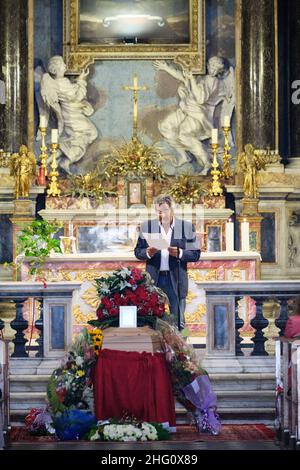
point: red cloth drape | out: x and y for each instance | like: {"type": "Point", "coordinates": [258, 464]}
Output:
{"type": "Point", "coordinates": [135, 383]}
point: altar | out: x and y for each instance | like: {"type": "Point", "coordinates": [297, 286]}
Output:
{"type": "Point", "coordinates": [212, 266]}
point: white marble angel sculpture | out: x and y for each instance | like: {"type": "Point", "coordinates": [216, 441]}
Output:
{"type": "Point", "coordinates": [189, 126]}
{"type": "Point", "coordinates": [68, 101]}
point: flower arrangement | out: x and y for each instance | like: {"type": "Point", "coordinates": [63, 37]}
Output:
{"type": "Point", "coordinates": [185, 190]}
{"type": "Point", "coordinates": [97, 338]}
{"type": "Point", "coordinates": [181, 359]}
{"type": "Point", "coordinates": [39, 422]}
{"type": "Point", "coordinates": [36, 242]}
{"type": "Point", "coordinates": [127, 429]}
{"type": "Point", "coordinates": [133, 159]}
{"type": "Point", "coordinates": [70, 385]}
{"type": "Point", "coordinates": [128, 287]}
{"type": "Point", "coordinates": [89, 185]}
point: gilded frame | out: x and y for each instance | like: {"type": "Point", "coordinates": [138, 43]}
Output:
{"type": "Point", "coordinates": [79, 56]}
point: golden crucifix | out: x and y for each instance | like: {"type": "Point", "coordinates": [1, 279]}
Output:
{"type": "Point", "coordinates": [135, 88]}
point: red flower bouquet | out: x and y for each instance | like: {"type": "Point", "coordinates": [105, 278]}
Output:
{"type": "Point", "coordinates": [128, 287]}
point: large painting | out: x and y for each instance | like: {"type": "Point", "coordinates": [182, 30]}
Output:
{"type": "Point", "coordinates": [134, 22]}
{"type": "Point", "coordinates": [134, 29]}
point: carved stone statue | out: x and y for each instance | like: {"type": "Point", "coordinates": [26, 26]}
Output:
{"type": "Point", "coordinates": [23, 168]}
{"type": "Point", "coordinates": [190, 125]}
{"type": "Point", "coordinates": [67, 100]}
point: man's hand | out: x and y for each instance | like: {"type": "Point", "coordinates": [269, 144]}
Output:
{"type": "Point", "coordinates": [152, 251]}
{"type": "Point", "coordinates": [173, 250]}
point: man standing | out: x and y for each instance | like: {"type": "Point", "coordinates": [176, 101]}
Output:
{"type": "Point", "coordinates": [168, 267]}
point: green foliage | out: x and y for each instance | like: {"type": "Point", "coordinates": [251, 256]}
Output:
{"type": "Point", "coordinates": [162, 433]}
{"type": "Point", "coordinates": [36, 242]}
{"type": "Point", "coordinates": [56, 405]}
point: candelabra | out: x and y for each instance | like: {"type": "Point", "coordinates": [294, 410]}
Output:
{"type": "Point", "coordinates": [227, 172]}
{"type": "Point", "coordinates": [215, 189]}
{"type": "Point", "coordinates": [43, 158]}
{"type": "Point", "coordinates": [53, 188]}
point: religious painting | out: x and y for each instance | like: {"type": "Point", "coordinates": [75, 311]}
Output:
{"type": "Point", "coordinates": [104, 238]}
{"type": "Point", "coordinates": [134, 22]}
{"type": "Point", "coordinates": [134, 29]}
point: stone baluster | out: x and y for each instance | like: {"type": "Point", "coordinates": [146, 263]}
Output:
{"type": "Point", "coordinates": [280, 322]}
{"type": "Point", "coordinates": [239, 323]}
{"type": "Point", "coordinates": [2, 325]}
{"type": "Point", "coordinates": [19, 324]}
{"type": "Point", "coordinates": [259, 323]}
{"type": "Point", "coordinates": [39, 324]}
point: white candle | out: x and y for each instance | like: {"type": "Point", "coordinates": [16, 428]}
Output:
{"type": "Point", "coordinates": [54, 136]}
{"type": "Point", "coordinates": [214, 136]}
{"type": "Point", "coordinates": [70, 229]}
{"type": "Point", "coordinates": [226, 121]}
{"type": "Point", "coordinates": [43, 121]}
{"type": "Point", "coordinates": [245, 235]}
{"type": "Point", "coordinates": [229, 234]}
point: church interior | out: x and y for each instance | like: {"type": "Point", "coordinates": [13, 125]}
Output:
{"type": "Point", "coordinates": [114, 113]}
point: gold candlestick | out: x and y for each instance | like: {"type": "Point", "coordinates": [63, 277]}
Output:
{"type": "Point", "coordinates": [53, 188]}
{"type": "Point", "coordinates": [43, 149]}
{"type": "Point", "coordinates": [215, 189]}
{"type": "Point", "coordinates": [227, 171]}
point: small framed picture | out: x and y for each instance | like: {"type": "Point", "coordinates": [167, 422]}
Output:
{"type": "Point", "coordinates": [135, 192]}
{"type": "Point", "coordinates": [128, 316]}
{"type": "Point", "coordinates": [214, 237]}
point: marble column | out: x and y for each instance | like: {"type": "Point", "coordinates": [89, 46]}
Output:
{"type": "Point", "coordinates": [14, 73]}
{"type": "Point", "coordinates": [294, 75]}
{"type": "Point", "coordinates": [256, 84]}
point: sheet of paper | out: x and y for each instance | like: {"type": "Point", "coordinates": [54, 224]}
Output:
{"type": "Point", "coordinates": [155, 240]}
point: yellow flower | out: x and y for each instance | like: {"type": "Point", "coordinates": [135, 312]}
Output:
{"type": "Point", "coordinates": [80, 373]}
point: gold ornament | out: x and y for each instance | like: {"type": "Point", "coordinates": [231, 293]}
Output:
{"type": "Point", "coordinates": [23, 168]}
{"type": "Point", "coordinates": [227, 172]}
{"type": "Point", "coordinates": [249, 163]}
{"type": "Point", "coordinates": [53, 188]}
{"type": "Point", "coordinates": [89, 185]}
{"type": "Point", "coordinates": [4, 159]}
{"type": "Point", "coordinates": [185, 190]}
{"type": "Point", "coordinates": [133, 159]}
{"type": "Point", "coordinates": [43, 149]}
{"type": "Point", "coordinates": [215, 189]}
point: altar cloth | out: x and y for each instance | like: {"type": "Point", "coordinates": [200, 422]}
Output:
{"type": "Point", "coordinates": [137, 384]}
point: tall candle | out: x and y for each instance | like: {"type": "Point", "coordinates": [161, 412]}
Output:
{"type": "Point", "coordinates": [214, 136]}
{"type": "Point", "coordinates": [43, 121]}
{"type": "Point", "coordinates": [245, 235]}
{"type": "Point", "coordinates": [229, 234]}
{"type": "Point", "coordinates": [226, 121]}
{"type": "Point", "coordinates": [54, 136]}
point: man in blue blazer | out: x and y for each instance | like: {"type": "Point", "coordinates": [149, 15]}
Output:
{"type": "Point", "coordinates": [168, 267]}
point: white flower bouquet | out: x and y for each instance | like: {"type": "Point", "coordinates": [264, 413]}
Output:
{"type": "Point", "coordinates": [135, 431]}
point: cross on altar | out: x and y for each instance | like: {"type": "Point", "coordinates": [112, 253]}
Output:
{"type": "Point", "coordinates": [135, 88]}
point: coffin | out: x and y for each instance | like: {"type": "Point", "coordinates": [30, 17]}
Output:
{"type": "Point", "coordinates": [141, 339]}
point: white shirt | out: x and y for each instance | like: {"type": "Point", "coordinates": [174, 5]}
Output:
{"type": "Point", "coordinates": [164, 260]}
